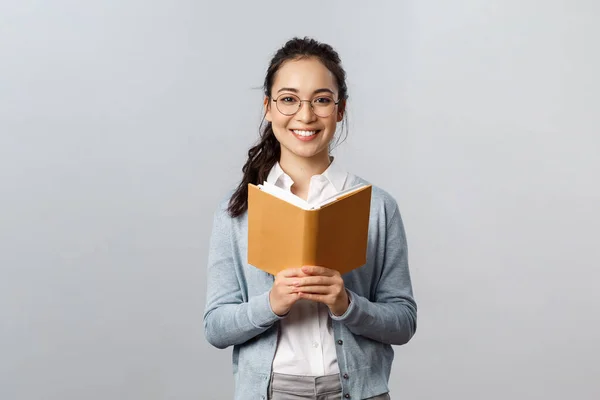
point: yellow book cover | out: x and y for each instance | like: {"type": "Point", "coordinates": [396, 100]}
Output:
{"type": "Point", "coordinates": [284, 231]}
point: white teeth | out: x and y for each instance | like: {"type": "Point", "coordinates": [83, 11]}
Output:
{"type": "Point", "coordinates": [304, 133]}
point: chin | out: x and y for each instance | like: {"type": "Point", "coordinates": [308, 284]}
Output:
{"type": "Point", "coordinates": [307, 153]}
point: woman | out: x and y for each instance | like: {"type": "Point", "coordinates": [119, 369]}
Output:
{"type": "Point", "coordinates": [307, 333]}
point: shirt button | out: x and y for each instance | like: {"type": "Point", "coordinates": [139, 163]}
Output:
{"type": "Point", "coordinates": [346, 376]}
{"type": "Point", "coordinates": [347, 395]}
{"type": "Point", "coordinates": [315, 345]}
{"type": "Point", "coordinates": [340, 342]}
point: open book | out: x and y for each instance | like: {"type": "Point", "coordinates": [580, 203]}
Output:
{"type": "Point", "coordinates": [285, 231]}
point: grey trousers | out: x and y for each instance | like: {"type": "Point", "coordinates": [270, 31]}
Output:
{"type": "Point", "coordinates": [293, 387]}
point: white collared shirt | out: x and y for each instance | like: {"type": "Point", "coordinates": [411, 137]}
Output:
{"type": "Point", "coordinates": [306, 343]}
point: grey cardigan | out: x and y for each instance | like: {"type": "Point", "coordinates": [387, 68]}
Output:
{"type": "Point", "coordinates": [382, 311]}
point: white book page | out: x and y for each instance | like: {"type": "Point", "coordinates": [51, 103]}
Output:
{"type": "Point", "coordinates": [338, 195]}
{"type": "Point", "coordinates": [297, 201]}
{"type": "Point", "coordinates": [284, 195]}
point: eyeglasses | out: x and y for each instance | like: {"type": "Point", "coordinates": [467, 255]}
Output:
{"type": "Point", "coordinates": [290, 104]}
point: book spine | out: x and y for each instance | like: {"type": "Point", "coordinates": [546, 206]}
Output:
{"type": "Point", "coordinates": [310, 237]}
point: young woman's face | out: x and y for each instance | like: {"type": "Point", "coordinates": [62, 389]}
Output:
{"type": "Point", "coordinates": [304, 134]}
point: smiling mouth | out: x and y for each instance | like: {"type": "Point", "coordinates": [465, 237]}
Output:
{"type": "Point", "coordinates": [305, 134]}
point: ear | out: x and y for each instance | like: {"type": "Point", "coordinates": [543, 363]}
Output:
{"type": "Point", "coordinates": [267, 108]}
{"type": "Point", "coordinates": [341, 110]}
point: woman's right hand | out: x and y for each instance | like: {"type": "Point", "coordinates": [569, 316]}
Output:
{"type": "Point", "coordinates": [281, 296]}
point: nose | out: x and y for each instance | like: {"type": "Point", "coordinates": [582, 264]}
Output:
{"type": "Point", "coordinates": [305, 113]}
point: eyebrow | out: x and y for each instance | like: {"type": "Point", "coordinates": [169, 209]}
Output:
{"type": "Point", "coordinates": [293, 90]}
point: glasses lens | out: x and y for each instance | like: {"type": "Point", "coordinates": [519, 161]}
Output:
{"type": "Point", "coordinates": [288, 104]}
{"type": "Point", "coordinates": [323, 106]}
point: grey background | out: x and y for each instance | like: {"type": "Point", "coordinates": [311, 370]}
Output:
{"type": "Point", "coordinates": [117, 139]}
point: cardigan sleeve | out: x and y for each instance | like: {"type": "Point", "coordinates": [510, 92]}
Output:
{"type": "Point", "coordinates": [228, 318]}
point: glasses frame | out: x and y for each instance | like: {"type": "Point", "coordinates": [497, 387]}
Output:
{"type": "Point", "coordinates": [300, 105]}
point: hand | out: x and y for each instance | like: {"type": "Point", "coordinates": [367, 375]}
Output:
{"type": "Point", "coordinates": [282, 295]}
{"type": "Point", "coordinates": [325, 286]}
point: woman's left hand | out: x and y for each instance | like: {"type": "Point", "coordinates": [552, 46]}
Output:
{"type": "Point", "coordinates": [325, 286]}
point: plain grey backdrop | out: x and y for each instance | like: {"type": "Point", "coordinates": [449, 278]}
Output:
{"type": "Point", "coordinates": [122, 123]}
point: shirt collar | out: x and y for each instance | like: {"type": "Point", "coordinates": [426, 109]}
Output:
{"type": "Point", "coordinates": [276, 173]}
{"type": "Point", "coordinates": [335, 174]}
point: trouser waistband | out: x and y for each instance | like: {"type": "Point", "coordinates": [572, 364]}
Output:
{"type": "Point", "coordinates": [306, 385]}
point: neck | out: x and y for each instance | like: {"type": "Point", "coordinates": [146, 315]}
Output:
{"type": "Point", "coordinates": [301, 169]}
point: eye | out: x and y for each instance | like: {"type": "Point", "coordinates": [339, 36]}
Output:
{"type": "Point", "coordinates": [288, 99]}
{"type": "Point", "coordinates": [323, 100]}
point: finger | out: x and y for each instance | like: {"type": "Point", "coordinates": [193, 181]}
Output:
{"type": "Point", "coordinates": [318, 280]}
{"type": "Point", "coordinates": [287, 289]}
{"type": "Point", "coordinates": [313, 289]}
{"type": "Point", "coordinates": [291, 272]}
{"type": "Point", "coordinates": [316, 270]}
{"type": "Point", "coordinates": [321, 298]}
{"type": "Point", "coordinates": [288, 284]}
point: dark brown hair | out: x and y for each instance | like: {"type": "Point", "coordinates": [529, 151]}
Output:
{"type": "Point", "coordinates": [263, 156]}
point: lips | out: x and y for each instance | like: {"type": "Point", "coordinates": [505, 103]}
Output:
{"type": "Point", "coordinates": [305, 134]}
